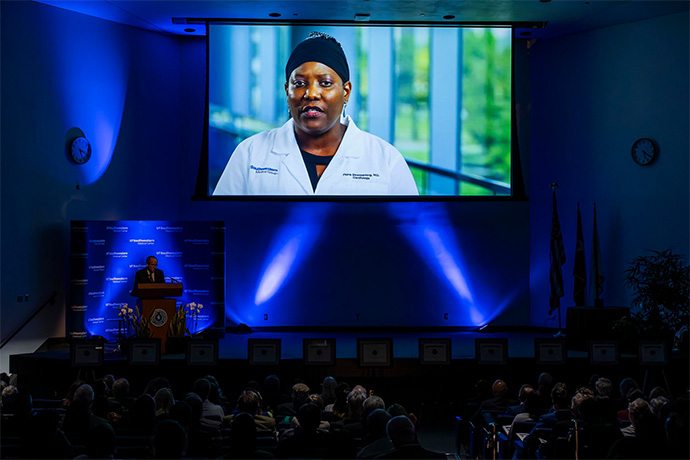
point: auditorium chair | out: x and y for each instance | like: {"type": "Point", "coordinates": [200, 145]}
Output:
{"type": "Point", "coordinates": [506, 440]}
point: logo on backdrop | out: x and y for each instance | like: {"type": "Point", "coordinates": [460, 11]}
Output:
{"type": "Point", "coordinates": [170, 229]}
{"type": "Point", "coordinates": [197, 241]}
{"type": "Point", "coordinates": [159, 317]}
{"type": "Point", "coordinates": [120, 229]}
{"type": "Point", "coordinates": [118, 280]}
{"type": "Point", "coordinates": [143, 242]}
{"type": "Point", "coordinates": [197, 266]}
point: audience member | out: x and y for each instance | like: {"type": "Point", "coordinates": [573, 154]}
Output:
{"type": "Point", "coordinates": [339, 407]}
{"type": "Point", "coordinates": [376, 442]}
{"type": "Point", "coordinates": [169, 440]}
{"type": "Point", "coordinates": [156, 384]}
{"type": "Point", "coordinates": [121, 401]}
{"type": "Point", "coordinates": [498, 404]}
{"type": "Point", "coordinates": [603, 388]}
{"type": "Point", "coordinates": [299, 395]}
{"type": "Point", "coordinates": [271, 394]}
{"type": "Point", "coordinates": [67, 400]}
{"type": "Point", "coordinates": [164, 401]}
{"type": "Point", "coordinates": [250, 402]}
{"type": "Point", "coordinates": [328, 390]}
{"type": "Point", "coordinates": [525, 390]}
{"type": "Point", "coordinates": [636, 410]}
{"type": "Point", "coordinates": [212, 415]}
{"type": "Point", "coordinates": [242, 440]}
{"type": "Point", "coordinates": [401, 432]}
{"type": "Point", "coordinates": [143, 415]}
{"type": "Point", "coordinates": [100, 442]}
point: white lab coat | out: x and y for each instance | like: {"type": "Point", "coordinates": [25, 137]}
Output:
{"type": "Point", "coordinates": [270, 163]}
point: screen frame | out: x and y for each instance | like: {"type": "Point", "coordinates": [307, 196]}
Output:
{"type": "Point", "coordinates": [517, 185]}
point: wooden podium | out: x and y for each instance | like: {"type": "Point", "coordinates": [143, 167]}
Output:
{"type": "Point", "coordinates": [154, 303]}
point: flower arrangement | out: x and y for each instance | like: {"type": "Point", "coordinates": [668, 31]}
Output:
{"type": "Point", "coordinates": [131, 320]}
{"type": "Point", "coordinates": [185, 317]}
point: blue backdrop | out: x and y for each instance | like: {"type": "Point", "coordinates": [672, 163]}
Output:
{"type": "Point", "coordinates": [105, 255]}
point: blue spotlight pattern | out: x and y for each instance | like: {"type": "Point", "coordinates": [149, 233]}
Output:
{"type": "Point", "coordinates": [93, 89]}
{"type": "Point", "coordinates": [291, 244]}
{"type": "Point", "coordinates": [376, 264]}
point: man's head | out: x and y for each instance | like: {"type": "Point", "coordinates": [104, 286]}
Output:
{"type": "Point", "coordinates": [604, 388]}
{"type": "Point", "coordinates": [559, 396]}
{"type": "Point", "coordinates": [400, 430]}
{"type": "Point", "coordinates": [525, 390]}
{"type": "Point", "coordinates": [85, 394]}
{"type": "Point", "coordinates": [249, 402]}
{"type": "Point", "coordinates": [151, 263]}
{"type": "Point", "coordinates": [202, 387]}
{"type": "Point", "coordinates": [309, 416]}
{"type": "Point", "coordinates": [637, 409]}
{"type": "Point", "coordinates": [120, 388]}
{"type": "Point", "coordinates": [377, 421]}
{"type": "Point", "coordinates": [499, 388]}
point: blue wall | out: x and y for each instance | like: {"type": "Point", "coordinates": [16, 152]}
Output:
{"type": "Point", "coordinates": [139, 96]}
{"type": "Point", "coordinates": [593, 94]}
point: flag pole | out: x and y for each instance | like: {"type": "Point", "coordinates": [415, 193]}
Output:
{"type": "Point", "coordinates": [560, 333]}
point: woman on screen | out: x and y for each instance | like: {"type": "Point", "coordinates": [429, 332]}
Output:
{"type": "Point", "coordinates": [320, 150]}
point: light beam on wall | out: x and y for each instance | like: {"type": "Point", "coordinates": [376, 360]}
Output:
{"type": "Point", "coordinates": [428, 229]}
{"type": "Point", "coordinates": [91, 76]}
{"type": "Point", "coordinates": [291, 244]}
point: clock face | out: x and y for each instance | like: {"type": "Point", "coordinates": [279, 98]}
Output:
{"type": "Point", "coordinates": [643, 151]}
{"type": "Point", "coordinates": [80, 150]}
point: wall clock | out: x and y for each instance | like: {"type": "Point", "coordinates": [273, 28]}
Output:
{"type": "Point", "coordinates": [80, 150]}
{"type": "Point", "coordinates": [644, 151]}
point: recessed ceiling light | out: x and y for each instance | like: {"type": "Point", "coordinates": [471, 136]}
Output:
{"type": "Point", "coordinates": [449, 16]}
{"type": "Point", "coordinates": [190, 30]}
{"type": "Point", "coordinates": [274, 15]}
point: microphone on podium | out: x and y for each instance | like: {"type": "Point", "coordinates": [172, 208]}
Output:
{"type": "Point", "coordinates": [174, 280]}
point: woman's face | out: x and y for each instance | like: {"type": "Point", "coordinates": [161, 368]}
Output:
{"type": "Point", "coordinates": [316, 95]}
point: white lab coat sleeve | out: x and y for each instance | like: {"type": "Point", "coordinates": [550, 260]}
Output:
{"type": "Point", "coordinates": [402, 182]}
{"type": "Point", "coordinates": [233, 181]}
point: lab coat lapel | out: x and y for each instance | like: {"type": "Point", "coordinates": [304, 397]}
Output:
{"type": "Point", "coordinates": [286, 145]}
{"type": "Point", "coordinates": [350, 147]}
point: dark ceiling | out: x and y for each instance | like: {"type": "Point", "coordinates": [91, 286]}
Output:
{"type": "Point", "coordinates": [559, 17]}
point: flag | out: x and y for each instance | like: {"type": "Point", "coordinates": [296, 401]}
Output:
{"type": "Point", "coordinates": [557, 260]}
{"type": "Point", "coordinates": [596, 270]}
{"type": "Point", "coordinates": [596, 281]}
{"type": "Point", "coordinates": [580, 268]}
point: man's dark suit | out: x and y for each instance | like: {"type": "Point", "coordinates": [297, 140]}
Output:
{"type": "Point", "coordinates": [142, 276]}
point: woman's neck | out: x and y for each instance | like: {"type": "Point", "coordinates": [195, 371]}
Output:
{"type": "Point", "coordinates": [324, 145]}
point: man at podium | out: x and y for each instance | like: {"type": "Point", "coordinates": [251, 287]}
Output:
{"type": "Point", "coordinates": [150, 274]}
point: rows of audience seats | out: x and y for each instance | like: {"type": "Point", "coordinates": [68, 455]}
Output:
{"type": "Point", "coordinates": [546, 419]}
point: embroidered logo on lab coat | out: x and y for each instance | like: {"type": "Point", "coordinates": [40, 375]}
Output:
{"type": "Point", "coordinates": [264, 170]}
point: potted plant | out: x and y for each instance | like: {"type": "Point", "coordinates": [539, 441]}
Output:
{"type": "Point", "coordinates": [660, 284]}
{"type": "Point", "coordinates": [131, 324]}
{"type": "Point", "coordinates": [186, 316]}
